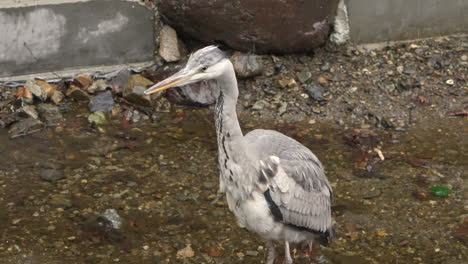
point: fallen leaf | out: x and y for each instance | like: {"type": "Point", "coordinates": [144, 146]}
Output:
{"type": "Point", "coordinates": [458, 112]}
{"type": "Point", "coordinates": [403, 242]}
{"type": "Point", "coordinates": [381, 233]}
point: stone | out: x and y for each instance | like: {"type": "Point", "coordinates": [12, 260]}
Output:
{"type": "Point", "coordinates": [60, 200]}
{"type": "Point", "coordinates": [263, 26]}
{"type": "Point", "coordinates": [283, 107]}
{"type": "Point", "coordinates": [51, 175]}
{"type": "Point", "coordinates": [186, 252]}
{"type": "Point", "coordinates": [25, 95]}
{"type": "Point", "coordinates": [260, 104]}
{"type": "Point", "coordinates": [48, 88]}
{"type": "Point", "coordinates": [102, 102]}
{"type": "Point", "coordinates": [98, 86]}
{"type": "Point", "coordinates": [50, 114]}
{"type": "Point", "coordinates": [170, 47]}
{"type": "Point", "coordinates": [246, 65]}
{"type": "Point", "coordinates": [98, 118]}
{"type": "Point", "coordinates": [284, 81]}
{"type": "Point", "coordinates": [134, 90]}
{"type": "Point", "coordinates": [25, 127]}
{"type": "Point", "coordinates": [304, 76]}
{"type": "Point", "coordinates": [36, 90]}
{"type": "Point", "coordinates": [83, 81]}
{"type": "Point", "coordinates": [28, 111]}
{"type": "Point", "coordinates": [112, 216]}
{"type": "Point", "coordinates": [316, 92]}
{"type": "Point", "coordinates": [57, 97]}
{"type": "Point", "coordinates": [77, 94]}
{"type": "Point", "coordinates": [120, 80]}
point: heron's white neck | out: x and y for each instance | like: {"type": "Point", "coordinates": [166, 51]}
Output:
{"type": "Point", "coordinates": [227, 124]}
{"type": "Point", "coordinates": [234, 158]}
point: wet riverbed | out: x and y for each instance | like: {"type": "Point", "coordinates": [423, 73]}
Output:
{"type": "Point", "coordinates": [161, 178]}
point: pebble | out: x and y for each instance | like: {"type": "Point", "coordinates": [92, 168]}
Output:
{"type": "Point", "coordinates": [316, 92]}
{"type": "Point", "coordinates": [98, 86]}
{"type": "Point", "coordinates": [113, 217]}
{"type": "Point", "coordinates": [283, 108]}
{"type": "Point", "coordinates": [304, 76]}
{"type": "Point", "coordinates": [134, 90]}
{"type": "Point", "coordinates": [99, 118]}
{"type": "Point", "coordinates": [260, 104]}
{"type": "Point", "coordinates": [246, 65]}
{"type": "Point", "coordinates": [464, 58]}
{"type": "Point", "coordinates": [77, 94]}
{"type": "Point", "coordinates": [450, 82]}
{"type": "Point", "coordinates": [51, 175]}
{"type": "Point", "coordinates": [36, 90]}
{"type": "Point", "coordinates": [325, 67]}
{"type": "Point", "coordinates": [102, 102]}
{"type": "Point", "coordinates": [251, 253]}
{"type": "Point", "coordinates": [83, 81]}
{"type": "Point", "coordinates": [57, 97]}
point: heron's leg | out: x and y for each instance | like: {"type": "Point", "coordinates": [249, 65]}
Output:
{"type": "Point", "coordinates": [271, 252]}
{"type": "Point", "coordinates": [287, 255]}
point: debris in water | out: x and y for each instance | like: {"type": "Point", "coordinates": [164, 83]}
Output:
{"type": "Point", "coordinates": [439, 191]}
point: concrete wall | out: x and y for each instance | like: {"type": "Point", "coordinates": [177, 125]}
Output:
{"type": "Point", "coordinates": [44, 35]}
{"type": "Point", "coordinates": [384, 20]}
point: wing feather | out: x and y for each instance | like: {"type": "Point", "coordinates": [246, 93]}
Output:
{"type": "Point", "coordinates": [296, 183]}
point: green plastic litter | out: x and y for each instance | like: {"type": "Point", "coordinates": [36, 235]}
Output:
{"type": "Point", "coordinates": [439, 191]}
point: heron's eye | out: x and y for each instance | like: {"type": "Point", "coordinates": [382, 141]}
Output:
{"type": "Point", "coordinates": [204, 68]}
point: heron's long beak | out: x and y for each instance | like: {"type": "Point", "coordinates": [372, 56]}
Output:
{"type": "Point", "coordinates": [180, 78]}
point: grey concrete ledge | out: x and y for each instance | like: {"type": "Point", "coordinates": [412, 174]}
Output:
{"type": "Point", "coordinates": [374, 21]}
{"type": "Point", "coordinates": [45, 35]}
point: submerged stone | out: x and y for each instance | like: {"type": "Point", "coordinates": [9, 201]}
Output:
{"type": "Point", "coordinates": [102, 102]}
{"type": "Point", "coordinates": [98, 118]}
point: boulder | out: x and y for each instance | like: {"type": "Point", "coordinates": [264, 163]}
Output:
{"type": "Point", "coordinates": [281, 26]}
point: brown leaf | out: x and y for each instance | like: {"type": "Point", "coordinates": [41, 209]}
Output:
{"type": "Point", "coordinates": [458, 112]}
{"type": "Point", "coordinates": [214, 251]}
{"type": "Point", "coordinates": [403, 242]}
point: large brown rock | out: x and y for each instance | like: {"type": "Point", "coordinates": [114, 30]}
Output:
{"type": "Point", "coordinates": [262, 26]}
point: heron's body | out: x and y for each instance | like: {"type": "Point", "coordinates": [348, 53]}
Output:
{"type": "Point", "coordinates": [274, 185]}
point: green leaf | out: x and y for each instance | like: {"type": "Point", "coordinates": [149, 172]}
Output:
{"type": "Point", "coordinates": [439, 191]}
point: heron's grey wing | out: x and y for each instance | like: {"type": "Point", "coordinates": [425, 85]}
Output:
{"type": "Point", "coordinates": [298, 191]}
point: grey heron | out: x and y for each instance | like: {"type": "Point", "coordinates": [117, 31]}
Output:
{"type": "Point", "coordinates": [274, 185]}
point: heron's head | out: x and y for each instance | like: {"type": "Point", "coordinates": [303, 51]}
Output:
{"type": "Point", "coordinates": [205, 64]}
